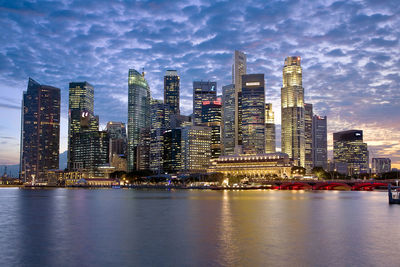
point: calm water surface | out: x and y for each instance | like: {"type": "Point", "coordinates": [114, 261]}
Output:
{"type": "Point", "coordinates": [78, 227]}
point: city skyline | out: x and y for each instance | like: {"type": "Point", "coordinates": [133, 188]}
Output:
{"type": "Point", "coordinates": [355, 89]}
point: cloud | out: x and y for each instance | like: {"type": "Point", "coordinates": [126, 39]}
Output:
{"type": "Point", "coordinates": [349, 50]}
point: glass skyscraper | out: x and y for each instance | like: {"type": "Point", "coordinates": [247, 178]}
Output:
{"type": "Point", "coordinates": [253, 114]}
{"type": "Point", "coordinates": [138, 113]}
{"type": "Point", "coordinates": [202, 91]}
{"type": "Point", "coordinates": [171, 95]}
{"type": "Point", "coordinates": [196, 148]}
{"type": "Point", "coordinates": [40, 133]}
{"type": "Point", "coordinates": [348, 147]}
{"type": "Point", "coordinates": [228, 119]}
{"type": "Point", "coordinates": [211, 117]}
{"type": "Point", "coordinates": [320, 143]}
{"type": "Point", "coordinates": [308, 138]}
{"type": "Point", "coordinates": [292, 105]}
{"type": "Point", "coordinates": [239, 69]}
{"type": "Point", "coordinates": [270, 135]}
{"type": "Point", "coordinates": [157, 117]}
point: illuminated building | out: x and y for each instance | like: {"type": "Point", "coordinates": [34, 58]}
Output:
{"type": "Point", "coordinates": [40, 131]}
{"type": "Point", "coordinates": [239, 69]}
{"type": "Point", "coordinates": [171, 95]}
{"type": "Point", "coordinates": [381, 165]}
{"type": "Point", "coordinates": [253, 114]}
{"type": "Point", "coordinates": [270, 135]}
{"type": "Point", "coordinates": [211, 117]}
{"type": "Point", "coordinates": [228, 119]}
{"type": "Point", "coordinates": [172, 161]}
{"type": "Point", "coordinates": [320, 143]}
{"type": "Point", "coordinates": [308, 137]}
{"type": "Point", "coordinates": [143, 150]}
{"type": "Point", "coordinates": [117, 134]}
{"type": "Point", "coordinates": [80, 118]}
{"type": "Point", "coordinates": [157, 117]}
{"type": "Point", "coordinates": [138, 112]}
{"type": "Point", "coordinates": [260, 166]}
{"type": "Point", "coordinates": [196, 148]}
{"type": "Point", "coordinates": [292, 104]}
{"type": "Point", "coordinates": [348, 147]}
{"type": "Point", "coordinates": [202, 91]}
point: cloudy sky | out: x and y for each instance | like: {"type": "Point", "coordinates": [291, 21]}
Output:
{"type": "Point", "coordinates": [350, 56]}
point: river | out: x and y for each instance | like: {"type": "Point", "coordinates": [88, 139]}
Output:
{"type": "Point", "coordinates": [127, 227]}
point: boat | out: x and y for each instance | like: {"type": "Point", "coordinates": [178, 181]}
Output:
{"type": "Point", "coordinates": [394, 196]}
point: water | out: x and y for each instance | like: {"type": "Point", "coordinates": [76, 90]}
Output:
{"type": "Point", "coordinates": [82, 227]}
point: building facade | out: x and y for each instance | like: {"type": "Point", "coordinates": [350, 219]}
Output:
{"type": "Point", "coordinates": [348, 147]}
{"type": "Point", "coordinates": [138, 113]}
{"type": "Point", "coordinates": [117, 134]}
{"type": "Point", "coordinates": [202, 91]}
{"type": "Point", "coordinates": [292, 105]}
{"type": "Point", "coordinates": [172, 156]}
{"type": "Point", "coordinates": [308, 138]}
{"type": "Point", "coordinates": [211, 117]}
{"type": "Point", "coordinates": [270, 134]}
{"type": "Point", "coordinates": [196, 148]}
{"type": "Point", "coordinates": [80, 119]}
{"type": "Point", "coordinates": [381, 165]}
{"type": "Point", "coordinates": [228, 119]}
{"type": "Point", "coordinates": [171, 95]}
{"type": "Point", "coordinates": [320, 141]}
{"type": "Point", "coordinates": [239, 68]}
{"type": "Point", "coordinates": [40, 133]}
{"type": "Point", "coordinates": [157, 129]}
{"type": "Point", "coordinates": [253, 114]}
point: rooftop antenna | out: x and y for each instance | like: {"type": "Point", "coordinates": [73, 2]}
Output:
{"type": "Point", "coordinates": [143, 72]}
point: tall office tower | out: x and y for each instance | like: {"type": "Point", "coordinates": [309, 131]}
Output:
{"type": "Point", "coordinates": [40, 133]}
{"type": "Point", "coordinates": [171, 95]}
{"type": "Point", "coordinates": [292, 104]}
{"type": "Point", "coordinates": [211, 117]}
{"type": "Point", "coordinates": [320, 143]}
{"type": "Point", "coordinates": [381, 165]}
{"type": "Point", "coordinates": [80, 115]}
{"type": "Point", "coordinates": [157, 117]}
{"type": "Point", "coordinates": [348, 147]}
{"type": "Point", "coordinates": [117, 134]}
{"type": "Point", "coordinates": [172, 161]}
{"type": "Point", "coordinates": [308, 138]}
{"type": "Point", "coordinates": [228, 119]}
{"type": "Point", "coordinates": [196, 148]}
{"type": "Point", "coordinates": [253, 114]}
{"type": "Point", "coordinates": [202, 91]}
{"type": "Point", "coordinates": [239, 68]}
{"type": "Point", "coordinates": [270, 135]}
{"type": "Point", "coordinates": [138, 112]}
{"type": "Point", "coordinates": [143, 150]}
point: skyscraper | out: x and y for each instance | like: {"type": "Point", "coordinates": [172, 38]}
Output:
{"type": "Point", "coordinates": [228, 119]}
{"type": "Point", "coordinates": [270, 143]}
{"type": "Point", "coordinates": [172, 156]}
{"type": "Point", "coordinates": [253, 114]}
{"type": "Point", "coordinates": [348, 147]}
{"type": "Point", "coordinates": [171, 94]}
{"type": "Point", "coordinates": [157, 116]}
{"type": "Point", "coordinates": [381, 165]}
{"type": "Point", "coordinates": [117, 134]}
{"type": "Point", "coordinates": [292, 104]}
{"type": "Point", "coordinates": [308, 138]}
{"type": "Point", "coordinates": [202, 91]}
{"type": "Point", "coordinates": [138, 112]}
{"type": "Point", "coordinates": [239, 69]}
{"type": "Point", "coordinates": [40, 133]}
{"type": "Point", "coordinates": [211, 117]}
{"type": "Point", "coordinates": [196, 148]}
{"type": "Point", "coordinates": [80, 119]}
{"type": "Point", "coordinates": [320, 144]}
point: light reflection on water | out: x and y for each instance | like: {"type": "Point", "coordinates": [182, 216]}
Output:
{"type": "Point", "coordinates": [63, 227]}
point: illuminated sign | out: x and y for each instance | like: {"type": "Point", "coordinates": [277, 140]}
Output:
{"type": "Point", "coordinates": [358, 134]}
{"type": "Point", "coordinates": [253, 84]}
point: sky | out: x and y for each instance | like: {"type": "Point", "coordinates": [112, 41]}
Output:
{"type": "Point", "coordinates": [349, 49]}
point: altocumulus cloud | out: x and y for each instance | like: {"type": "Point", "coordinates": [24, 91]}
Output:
{"type": "Point", "coordinates": [349, 49]}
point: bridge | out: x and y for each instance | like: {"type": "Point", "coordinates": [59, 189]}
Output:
{"type": "Point", "coordinates": [354, 185]}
